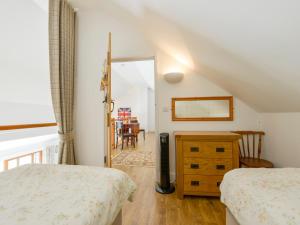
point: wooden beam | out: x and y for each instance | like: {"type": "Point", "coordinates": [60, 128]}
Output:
{"type": "Point", "coordinates": [26, 126]}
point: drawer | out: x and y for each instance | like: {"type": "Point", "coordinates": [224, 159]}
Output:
{"type": "Point", "coordinates": [203, 166]}
{"type": "Point", "coordinates": [193, 149]}
{"type": "Point", "coordinates": [207, 149]}
{"type": "Point", "coordinates": [199, 183]}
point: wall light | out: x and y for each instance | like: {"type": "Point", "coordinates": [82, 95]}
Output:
{"type": "Point", "coordinates": [173, 77]}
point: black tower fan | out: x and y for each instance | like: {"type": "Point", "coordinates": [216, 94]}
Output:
{"type": "Point", "coordinates": [165, 187]}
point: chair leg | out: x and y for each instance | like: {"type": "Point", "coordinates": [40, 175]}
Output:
{"type": "Point", "coordinates": [117, 140]}
{"type": "Point", "coordinates": [122, 143]}
{"type": "Point", "coordinates": [144, 135]}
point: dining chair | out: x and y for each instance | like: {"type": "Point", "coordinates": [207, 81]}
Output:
{"type": "Point", "coordinates": [250, 146]}
{"type": "Point", "coordinates": [135, 120]}
{"type": "Point", "coordinates": [135, 127]}
{"type": "Point", "coordinates": [127, 135]}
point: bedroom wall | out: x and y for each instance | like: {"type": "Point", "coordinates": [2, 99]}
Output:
{"type": "Point", "coordinates": [128, 41]}
{"type": "Point", "coordinates": [282, 140]}
{"type": "Point", "coordinates": [92, 34]}
{"type": "Point", "coordinates": [151, 110]}
{"type": "Point", "coordinates": [193, 84]}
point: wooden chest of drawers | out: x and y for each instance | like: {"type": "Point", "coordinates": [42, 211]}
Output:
{"type": "Point", "coordinates": [202, 158]}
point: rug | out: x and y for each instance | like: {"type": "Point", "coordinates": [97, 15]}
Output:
{"type": "Point", "coordinates": [134, 158]}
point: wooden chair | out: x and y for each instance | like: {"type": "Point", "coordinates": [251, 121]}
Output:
{"type": "Point", "coordinates": [135, 130]}
{"type": "Point", "coordinates": [127, 135]}
{"type": "Point", "coordinates": [133, 120]}
{"type": "Point", "coordinates": [250, 147]}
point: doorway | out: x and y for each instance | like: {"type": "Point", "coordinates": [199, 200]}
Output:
{"type": "Point", "coordinates": [133, 114]}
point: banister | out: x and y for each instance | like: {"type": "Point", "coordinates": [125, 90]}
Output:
{"type": "Point", "coordinates": [26, 126]}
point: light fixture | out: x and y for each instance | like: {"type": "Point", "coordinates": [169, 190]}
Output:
{"type": "Point", "coordinates": [174, 77]}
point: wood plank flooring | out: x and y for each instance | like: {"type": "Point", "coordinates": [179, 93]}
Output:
{"type": "Point", "coordinates": [151, 208]}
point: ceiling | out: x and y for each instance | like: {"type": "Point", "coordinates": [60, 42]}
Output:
{"type": "Point", "coordinates": [250, 48]}
{"type": "Point", "coordinates": [127, 75]}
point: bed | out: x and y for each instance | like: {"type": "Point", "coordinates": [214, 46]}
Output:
{"type": "Point", "coordinates": [63, 195]}
{"type": "Point", "coordinates": [262, 196]}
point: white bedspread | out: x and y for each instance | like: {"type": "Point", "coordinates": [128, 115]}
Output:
{"type": "Point", "coordinates": [263, 196]}
{"type": "Point", "coordinates": [62, 195]}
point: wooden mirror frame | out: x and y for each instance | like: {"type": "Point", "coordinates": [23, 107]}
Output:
{"type": "Point", "coordinates": [229, 98]}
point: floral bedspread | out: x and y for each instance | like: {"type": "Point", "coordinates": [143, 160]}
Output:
{"type": "Point", "coordinates": [263, 196]}
{"type": "Point", "coordinates": [62, 195]}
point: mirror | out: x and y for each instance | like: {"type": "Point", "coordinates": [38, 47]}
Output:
{"type": "Point", "coordinates": [202, 109]}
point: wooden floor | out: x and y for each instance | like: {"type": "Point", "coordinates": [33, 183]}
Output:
{"type": "Point", "coordinates": [151, 208]}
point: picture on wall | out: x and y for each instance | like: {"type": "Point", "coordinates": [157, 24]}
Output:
{"type": "Point", "coordinates": [124, 113]}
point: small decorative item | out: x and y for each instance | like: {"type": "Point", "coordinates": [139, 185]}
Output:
{"type": "Point", "coordinates": [103, 83]}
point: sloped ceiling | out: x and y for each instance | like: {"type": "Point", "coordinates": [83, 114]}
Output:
{"type": "Point", "coordinates": [250, 48]}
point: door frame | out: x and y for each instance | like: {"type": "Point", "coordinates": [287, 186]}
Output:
{"type": "Point", "coordinates": [154, 58]}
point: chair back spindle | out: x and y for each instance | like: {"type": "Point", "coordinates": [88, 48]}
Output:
{"type": "Point", "coordinates": [259, 146]}
{"type": "Point", "coordinates": [253, 146]}
{"type": "Point", "coordinates": [250, 144]}
{"type": "Point", "coordinates": [135, 128]}
{"type": "Point", "coordinates": [250, 150]}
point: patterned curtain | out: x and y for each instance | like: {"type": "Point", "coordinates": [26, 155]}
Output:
{"type": "Point", "coordinates": [61, 53]}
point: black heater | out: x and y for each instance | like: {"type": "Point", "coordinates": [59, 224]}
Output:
{"type": "Point", "coordinates": [165, 187]}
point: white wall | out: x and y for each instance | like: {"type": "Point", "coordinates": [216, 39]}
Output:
{"type": "Point", "coordinates": [282, 140]}
{"type": "Point", "coordinates": [151, 109]}
{"type": "Point", "coordinates": [93, 27]}
{"type": "Point", "coordinates": [193, 85]}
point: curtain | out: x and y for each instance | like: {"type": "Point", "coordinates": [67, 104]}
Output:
{"type": "Point", "coordinates": [61, 56]}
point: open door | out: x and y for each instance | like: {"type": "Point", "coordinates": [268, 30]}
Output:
{"type": "Point", "coordinates": [106, 88]}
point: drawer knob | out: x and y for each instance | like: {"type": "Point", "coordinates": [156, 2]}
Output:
{"type": "Point", "coordinates": [195, 183]}
{"type": "Point", "coordinates": [194, 149]}
{"type": "Point", "coordinates": [195, 166]}
{"type": "Point", "coordinates": [220, 167]}
{"type": "Point", "coordinates": [218, 183]}
{"type": "Point", "coordinates": [220, 149]}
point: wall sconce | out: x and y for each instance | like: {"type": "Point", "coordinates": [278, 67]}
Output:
{"type": "Point", "coordinates": [173, 77]}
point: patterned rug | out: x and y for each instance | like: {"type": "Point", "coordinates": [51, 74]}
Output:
{"type": "Point", "coordinates": [134, 158]}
